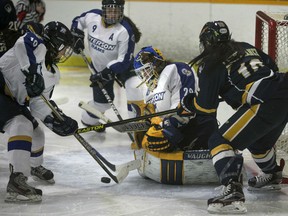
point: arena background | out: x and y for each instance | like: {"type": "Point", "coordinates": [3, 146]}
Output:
{"type": "Point", "coordinates": [173, 26]}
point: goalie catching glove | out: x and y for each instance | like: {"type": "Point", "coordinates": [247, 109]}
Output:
{"type": "Point", "coordinates": [63, 128]}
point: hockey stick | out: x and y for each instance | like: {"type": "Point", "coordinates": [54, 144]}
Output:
{"type": "Point", "coordinates": [105, 93]}
{"type": "Point", "coordinates": [125, 124]}
{"type": "Point", "coordinates": [123, 169]}
{"type": "Point", "coordinates": [129, 127]}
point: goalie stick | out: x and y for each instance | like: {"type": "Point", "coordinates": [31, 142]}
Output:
{"type": "Point", "coordinates": [123, 169]}
{"type": "Point", "coordinates": [105, 93]}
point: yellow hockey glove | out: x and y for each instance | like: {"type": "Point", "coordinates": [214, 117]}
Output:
{"type": "Point", "coordinates": [155, 141]}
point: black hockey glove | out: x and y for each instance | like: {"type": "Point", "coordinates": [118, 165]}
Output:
{"type": "Point", "coordinates": [62, 128]}
{"type": "Point", "coordinates": [100, 79]}
{"type": "Point", "coordinates": [78, 37]}
{"type": "Point", "coordinates": [34, 81]}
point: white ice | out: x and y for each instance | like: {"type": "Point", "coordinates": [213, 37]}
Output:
{"type": "Point", "coordinates": [78, 189]}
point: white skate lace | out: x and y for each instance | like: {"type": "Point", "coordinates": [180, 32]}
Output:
{"type": "Point", "coordinates": [223, 190]}
{"type": "Point", "coordinates": [263, 178]}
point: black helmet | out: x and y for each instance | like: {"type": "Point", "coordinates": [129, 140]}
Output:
{"type": "Point", "coordinates": [58, 37]}
{"type": "Point", "coordinates": [214, 32]}
{"type": "Point", "coordinates": [113, 11]}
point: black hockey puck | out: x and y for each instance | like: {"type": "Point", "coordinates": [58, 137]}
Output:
{"type": "Point", "coordinates": [105, 180]}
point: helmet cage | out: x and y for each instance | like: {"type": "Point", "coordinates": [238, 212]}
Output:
{"type": "Point", "coordinates": [148, 75]}
{"type": "Point", "coordinates": [112, 13]}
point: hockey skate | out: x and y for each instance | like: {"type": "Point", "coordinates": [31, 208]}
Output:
{"type": "Point", "coordinates": [40, 173]}
{"type": "Point", "coordinates": [230, 201]}
{"type": "Point", "coordinates": [18, 191]}
{"type": "Point", "coordinates": [267, 181]}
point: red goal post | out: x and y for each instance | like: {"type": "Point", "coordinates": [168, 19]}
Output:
{"type": "Point", "coordinates": [271, 36]}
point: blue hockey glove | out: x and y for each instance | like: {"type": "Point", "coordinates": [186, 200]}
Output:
{"type": "Point", "coordinates": [171, 130]}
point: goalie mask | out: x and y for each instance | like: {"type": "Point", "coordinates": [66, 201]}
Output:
{"type": "Point", "coordinates": [113, 11]}
{"type": "Point", "coordinates": [148, 64]}
{"type": "Point", "coordinates": [58, 41]}
{"type": "Point", "coordinates": [212, 33]}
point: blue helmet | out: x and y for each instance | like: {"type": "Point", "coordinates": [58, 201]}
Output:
{"type": "Point", "coordinates": [148, 65]}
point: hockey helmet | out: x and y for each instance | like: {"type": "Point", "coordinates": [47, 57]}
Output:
{"type": "Point", "coordinates": [58, 40]}
{"type": "Point", "coordinates": [113, 11]}
{"type": "Point", "coordinates": [148, 64]}
{"type": "Point", "coordinates": [214, 32]}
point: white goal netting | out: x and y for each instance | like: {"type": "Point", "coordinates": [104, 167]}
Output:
{"type": "Point", "coordinates": [271, 36]}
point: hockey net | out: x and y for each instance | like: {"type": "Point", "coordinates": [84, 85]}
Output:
{"type": "Point", "coordinates": [271, 36]}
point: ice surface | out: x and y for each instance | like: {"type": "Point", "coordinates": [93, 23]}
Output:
{"type": "Point", "coordinates": [79, 190]}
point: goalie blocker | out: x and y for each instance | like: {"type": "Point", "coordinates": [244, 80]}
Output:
{"type": "Point", "coordinates": [177, 168]}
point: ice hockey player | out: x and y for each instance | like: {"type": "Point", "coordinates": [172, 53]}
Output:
{"type": "Point", "coordinates": [111, 40]}
{"type": "Point", "coordinates": [8, 26]}
{"type": "Point", "coordinates": [169, 136]}
{"type": "Point", "coordinates": [26, 72]}
{"type": "Point", "coordinates": [30, 11]}
{"type": "Point", "coordinates": [247, 80]}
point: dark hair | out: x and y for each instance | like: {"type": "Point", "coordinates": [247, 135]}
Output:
{"type": "Point", "coordinates": [135, 29]}
{"type": "Point", "coordinates": [219, 53]}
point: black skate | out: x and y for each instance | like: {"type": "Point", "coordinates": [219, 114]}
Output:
{"type": "Point", "coordinates": [40, 173]}
{"type": "Point", "coordinates": [267, 181]}
{"type": "Point", "coordinates": [18, 191]}
{"type": "Point", "coordinates": [230, 201]}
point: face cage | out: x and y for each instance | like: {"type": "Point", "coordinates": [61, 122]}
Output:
{"type": "Point", "coordinates": [64, 54]}
{"type": "Point", "coordinates": [148, 75]}
{"type": "Point", "coordinates": [113, 14]}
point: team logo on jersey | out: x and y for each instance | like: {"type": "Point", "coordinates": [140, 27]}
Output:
{"type": "Point", "coordinates": [8, 8]}
{"type": "Point", "coordinates": [157, 97]}
{"type": "Point", "coordinates": [186, 72]}
{"type": "Point", "coordinates": [100, 45]}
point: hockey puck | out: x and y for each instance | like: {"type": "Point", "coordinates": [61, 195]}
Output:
{"type": "Point", "coordinates": [105, 180]}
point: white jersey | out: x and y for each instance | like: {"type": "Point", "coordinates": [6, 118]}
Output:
{"type": "Point", "coordinates": [175, 81]}
{"type": "Point", "coordinates": [110, 47]}
{"type": "Point", "coordinates": [28, 49]}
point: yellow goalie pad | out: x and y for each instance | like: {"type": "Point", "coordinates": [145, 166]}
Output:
{"type": "Point", "coordinates": [177, 168]}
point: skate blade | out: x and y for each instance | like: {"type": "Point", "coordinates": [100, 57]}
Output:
{"type": "Point", "coordinates": [275, 187]}
{"type": "Point", "coordinates": [13, 197]}
{"type": "Point", "coordinates": [50, 181]}
{"type": "Point", "coordinates": [236, 207]}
